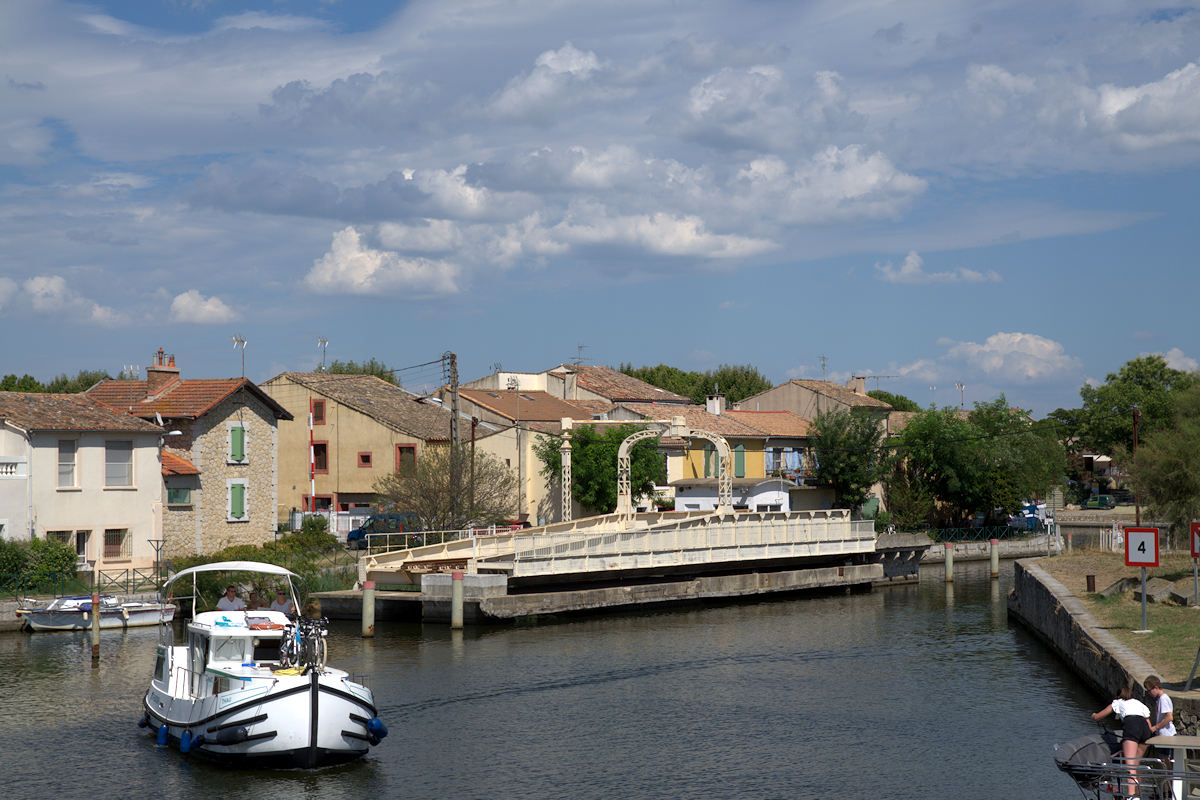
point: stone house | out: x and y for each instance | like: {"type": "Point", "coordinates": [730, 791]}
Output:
{"type": "Point", "coordinates": [220, 471]}
{"type": "Point", "coordinates": [75, 470]}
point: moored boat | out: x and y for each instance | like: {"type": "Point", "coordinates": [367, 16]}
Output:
{"type": "Point", "coordinates": [75, 614]}
{"type": "Point", "coordinates": [252, 688]}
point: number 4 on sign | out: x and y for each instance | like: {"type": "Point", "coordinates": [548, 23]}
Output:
{"type": "Point", "coordinates": [1141, 547]}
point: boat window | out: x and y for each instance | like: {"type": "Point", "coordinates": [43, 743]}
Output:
{"type": "Point", "coordinates": [160, 665]}
{"type": "Point", "coordinates": [228, 649]}
{"type": "Point", "coordinates": [266, 650]}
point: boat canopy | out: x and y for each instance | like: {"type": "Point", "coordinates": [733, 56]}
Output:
{"type": "Point", "coordinates": [232, 566]}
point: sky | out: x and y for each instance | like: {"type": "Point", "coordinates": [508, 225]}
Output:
{"type": "Point", "coordinates": [957, 200]}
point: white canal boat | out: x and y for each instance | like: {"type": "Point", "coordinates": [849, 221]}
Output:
{"type": "Point", "coordinates": [252, 688]}
{"type": "Point", "coordinates": [75, 614]}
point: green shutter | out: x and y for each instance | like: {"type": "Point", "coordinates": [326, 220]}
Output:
{"type": "Point", "coordinates": [237, 443]}
{"type": "Point", "coordinates": [237, 500]}
{"type": "Point", "coordinates": [739, 461]}
{"type": "Point", "coordinates": [708, 458]}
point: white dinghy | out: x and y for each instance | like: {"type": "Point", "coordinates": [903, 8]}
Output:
{"type": "Point", "coordinates": [252, 688]}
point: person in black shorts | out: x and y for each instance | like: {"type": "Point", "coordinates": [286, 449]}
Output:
{"type": "Point", "coordinates": [1135, 727]}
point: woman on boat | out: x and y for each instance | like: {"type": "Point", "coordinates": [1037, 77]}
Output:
{"type": "Point", "coordinates": [1135, 726]}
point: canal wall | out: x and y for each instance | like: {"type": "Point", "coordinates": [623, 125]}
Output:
{"type": "Point", "coordinates": [1056, 616]}
{"type": "Point", "coordinates": [981, 551]}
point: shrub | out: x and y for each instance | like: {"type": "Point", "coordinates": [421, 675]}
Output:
{"type": "Point", "coordinates": [15, 557]}
{"type": "Point", "coordinates": [51, 560]}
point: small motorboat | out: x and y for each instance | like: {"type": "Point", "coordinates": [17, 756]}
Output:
{"type": "Point", "coordinates": [75, 614]}
{"type": "Point", "coordinates": [251, 688]}
{"type": "Point", "coordinates": [1095, 763]}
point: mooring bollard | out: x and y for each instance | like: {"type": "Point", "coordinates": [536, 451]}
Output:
{"type": "Point", "coordinates": [456, 599]}
{"type": "Point", "coordinates": [95, 622]}
{"type": "Point", "coordinates": [1091, 584]}
{"type": "Point", "coordinates": [995, 548]}
{"type": "Point", "coordinates": [949, 562]}
{"type": "Point", "coordinates": [1069, 535]}
{"type": "Point", "coordinates": [368, 609]}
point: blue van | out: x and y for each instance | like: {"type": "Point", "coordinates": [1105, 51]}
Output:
{"type": "Point", "coordinates": [380, 523]}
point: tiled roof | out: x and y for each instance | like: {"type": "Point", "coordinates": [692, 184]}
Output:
{"type": "Point", "coordinates": [841, 393]}
{"type": "Point", "coordinates": [176, 465]}
{"type": "Point", "coordinates": [180, 399]}
{"type": "Point", "coordinates": [697, 418]}
{"type": "Point", "coordinates": [526, 406]}
{"type": "Point", "coordinates": [594, 407]}
{"type": "Point", "coordinates": [619, 387]}
{"type": "Point", "coordinates": [774, 423]}
{"type": "Point", "coordinates": [389, 404]}
{"type": "Point", "coordinates": [67, 412]}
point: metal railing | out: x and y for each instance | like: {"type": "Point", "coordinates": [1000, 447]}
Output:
{"type": "Point", "coordinates": [123, 581]}
{"type": "Point", "coordinates": [982, 534]}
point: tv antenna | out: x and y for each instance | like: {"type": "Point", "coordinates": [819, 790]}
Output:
{"type": "Point", "coordinates": [240, 340]}
{"type": "Point", "coordinates": [322, 343]}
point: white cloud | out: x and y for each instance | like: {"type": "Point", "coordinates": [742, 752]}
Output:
{"type": "Point", "coordinates": [23, 141]}
{"type": "Point", "coordinates": [191, 306]}
{"type": "Point", "coordinates": [436, 235]}
{"type": "Point", "coordinates": [350, 267]}
{"type": "Point", "coordinates": [661, 233]}
{"type": "Point", "coordinates": [1155, 114]}
{"type": "Point", "coordinates": [251, 20]}
{"type": "Point", "coordinates": [1177, 360]}
{"type": "Point", "coordinates": [1019, 357]}
{"type": "Point", "coordinates": [50, 294]}
{"type": "Point", "coordinates": [912, 271]}
{"type": "Point", "coordinates": [551, 81]}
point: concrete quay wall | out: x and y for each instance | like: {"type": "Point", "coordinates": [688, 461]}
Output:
{"type": "Point", "coordinates": [981, 551]}
{"type": "Point", "coordinates": [1052, 612]}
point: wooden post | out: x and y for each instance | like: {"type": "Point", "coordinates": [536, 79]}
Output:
{"type": "Point", "coordinates": [95, 618]}
{"type": "Point", "coordinates": [456, 600]}
{"type": "Point", "coordinates": [995, 552]}
{"type": "Point", "coordinates": [368, 609]}
{"type": "Point", "coordinates": [949, 562]}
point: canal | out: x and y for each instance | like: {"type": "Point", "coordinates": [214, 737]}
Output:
{"type": "Point", "coordinates": [920, 691]}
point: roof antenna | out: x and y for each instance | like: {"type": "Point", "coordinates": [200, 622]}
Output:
{"type": "Point", "coordinates": [322, 343]}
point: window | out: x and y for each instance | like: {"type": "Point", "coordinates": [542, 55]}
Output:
{"type": "Point", "coordinates": [66, 537]}
{"type": "Point", "coordinates": [320, 457]}
{"type": "Point", "coordinates": [81, 544]}
{"type": "Point", "coordinates": [237, 443]}
{"type": "Point", "coordinates": [181, 496]}
{"type": "Point", "coordinates": [364, 459]}
{"type": "Point", "coordinates": [117, 543]}
{"type": "Point", "coordinates": [318, 412]}
{"type": "Point", "coordinates": [406, 457]}
{"type": "Point", "coordinates": [236, 501]}
{"type": "Point", "coordinates": [118, 463]}
{"type": "Point", "coordinates": [66, 463]}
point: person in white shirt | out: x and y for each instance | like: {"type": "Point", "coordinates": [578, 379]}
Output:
{"type": "Point", "coordinates": [1164, 709]}
{"type": "Point", "coordinates": [282, 604]}
{"type": "Point", "coordinates": [1135, 728]}
{"type": "Point", "coordinates": [230, 601]}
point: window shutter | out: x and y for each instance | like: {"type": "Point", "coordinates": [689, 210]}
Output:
{"type": "Point", "coordinates": [739, 461]}
{"type": "Point", "coordinates": [237, 443]}
{"type": "Point", "coordinates": [237, 500]}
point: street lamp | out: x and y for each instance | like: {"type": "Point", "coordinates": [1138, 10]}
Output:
{"type": "Point", "coordinates": [514, 385]}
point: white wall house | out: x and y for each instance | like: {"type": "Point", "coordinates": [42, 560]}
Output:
{"type": "Point", "coordinates": [75, 470]}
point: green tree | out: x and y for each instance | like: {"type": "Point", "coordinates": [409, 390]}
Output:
{"type": "Point", "coordinates": [25, 383]}
{"type": "Point", "coordinates": [847, 446]}
{"type": "Point", "coordinates": [897, 401]}
{"type": "Point", "coordinates": [736, 382]}
{"type": "Point", "coordinates": [371, 367]}
{"type": "Point", "coordinates": [1105, 423]}
{"type": "Point", "coordinates": [83, 380]}
{"type": "Point", "coordinates": [594, 465]}
{"type": "Point", "coordinates": [1164, 471]}
{"type": "Point", "coordinates": [487, 493]}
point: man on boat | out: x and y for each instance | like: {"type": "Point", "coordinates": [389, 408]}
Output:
{"type": "Point", "coordinates": [230, 601]}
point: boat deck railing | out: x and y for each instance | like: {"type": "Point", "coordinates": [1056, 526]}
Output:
{"type": "Point", "coordinates": [1145, 778]}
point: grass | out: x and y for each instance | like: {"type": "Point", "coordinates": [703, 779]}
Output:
{"type": "Point", "coordinates": [1171, 645]}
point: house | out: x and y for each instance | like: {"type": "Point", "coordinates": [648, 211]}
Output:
{"type": "Point", "coordinates": [75, 470]}
{"type": "Point", "coordinates": [219, 472]}
{"type": "Point", "coordinates": [810, 398]}
{"type": "Point", "coordinates": [362, 429]}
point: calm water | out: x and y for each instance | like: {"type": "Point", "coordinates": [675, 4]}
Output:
{"type": "Point", "coordinates": [907, 692]}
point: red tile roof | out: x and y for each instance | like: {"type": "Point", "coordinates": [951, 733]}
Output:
{"type": "Point", "coordinates": [381, 401]}
{"type": "Point", "coordinates": [67, 412]}
{"type": "Point", "coordinates": [180, 399]}
{"type": "Point", "coordinates": [526, 406]}
{"type": "Point", "coordinates": [840, 393]}
{"type": "Point", "coordinates": [619, 387]}
{"type": "Point", "coordinates": [175, 465]}
{"type": "Point", "coordinates": [775, 423]}
{"type": "Point", "coordinates": [698, 418]}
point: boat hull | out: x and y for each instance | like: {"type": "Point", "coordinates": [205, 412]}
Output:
{"type": "Point", "coordinates": [303, 721]}
{"type": "Point", "coordinates": [74, 620]}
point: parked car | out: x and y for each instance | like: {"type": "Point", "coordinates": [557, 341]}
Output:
{"type": "Point", "coordinates": [1100, 501]}
{"type": "Point", "coordinates": [379, 523]}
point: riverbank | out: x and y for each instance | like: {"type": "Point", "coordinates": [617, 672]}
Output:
{"type": "Point", "coordinates": [1050, 599]}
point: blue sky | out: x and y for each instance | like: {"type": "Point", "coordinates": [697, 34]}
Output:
{"type": "Point", "coordinates": [1001, 195]}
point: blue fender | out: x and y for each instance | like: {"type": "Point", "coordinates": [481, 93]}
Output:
{"type": "Point", "coordinates": [162, 735]}
{"type": "Point", "coordinates": [185, 742]}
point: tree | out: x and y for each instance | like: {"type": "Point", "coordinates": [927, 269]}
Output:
{"type": "Point", "coordinates": [594, 465]}
{"type": "Point", "coordinates": [25, 383]}
{"type": "Point", "coordinates": [736, 382]}
{"type": "Point", "coordinates": [371, 367]}
{"type": "Point", "coordinates": [83, 380]}
{"type": "Point", "coordinates": [849, 456]}
{"type": "Point", "coordinates": [488, 493]}
{"type": "Point", "coordinates": [1105, 423]}
{"type": "Point", "coordinates": [1164, 471]}
{"type": "Point", "coordinates": [897, 401]}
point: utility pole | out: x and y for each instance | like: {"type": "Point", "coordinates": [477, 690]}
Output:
{"type": "Point", "coordinates": [1137, 502]}
{"type": "Point", "coordinates": [455, 438]}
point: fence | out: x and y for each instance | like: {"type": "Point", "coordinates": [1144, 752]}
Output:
{"type": "Point", "coordinates": [340, 522]}
{"type": "Point", "coordinates": [982, 534]}
{"type": "Point", "coordinates": [120, 581]}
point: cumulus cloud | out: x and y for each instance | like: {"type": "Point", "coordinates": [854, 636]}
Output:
{"type": "Point", "coordinates": [554, 81]}
{"type": "Point", "coordinates": [660, 233]}
{"type": "Point", "coordinates": [912, 271]}
{"type": "Point", "coordinates": [191, 306]}
{"type": "Point", "coordinates": [1177, 360]}
{"type": "Point", "coordinates": [351, 267]}
{"type": "Point", "coordinates": [1018, 357]}
{"type": "Point", "coordinates": [49, 294]}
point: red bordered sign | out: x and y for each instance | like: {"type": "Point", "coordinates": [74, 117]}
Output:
{"type": "Point", "coordinates": [1141, 547]}
{"type": "Point", "coordinates": [1196, 540]}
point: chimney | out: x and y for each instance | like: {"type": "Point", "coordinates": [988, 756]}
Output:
{"type": "Point", "coordinates": [161, 373]}
{"type": "Point", "coordinates": [715, 404]}
{"type": "Point", "coordinates": [857, 384]}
